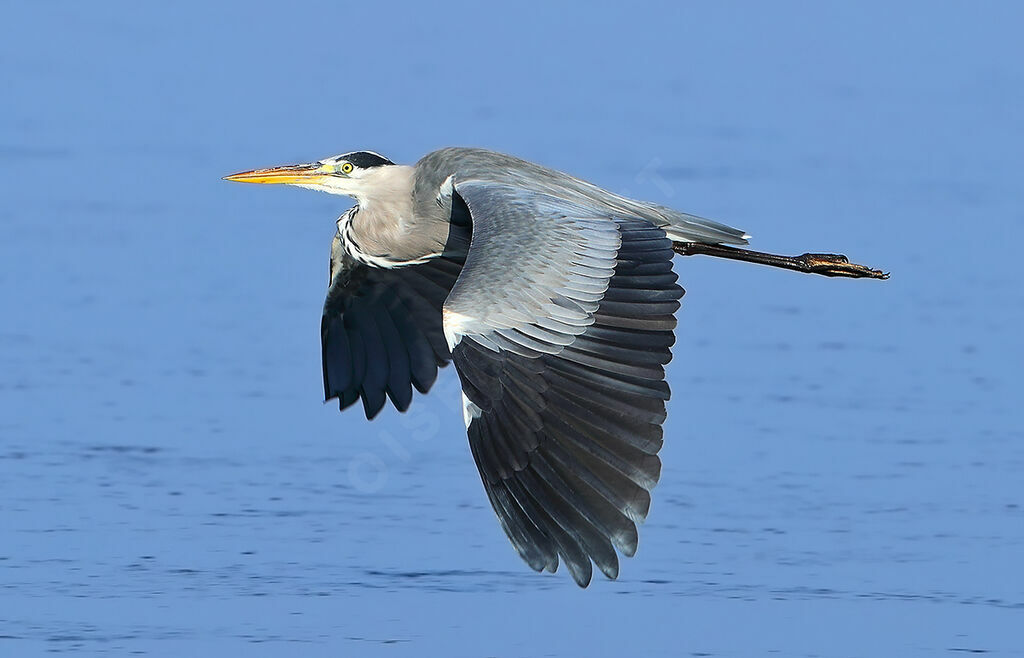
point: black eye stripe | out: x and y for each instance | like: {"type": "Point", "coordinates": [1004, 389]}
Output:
{"type": "Point", "coordinates": [365, 159]}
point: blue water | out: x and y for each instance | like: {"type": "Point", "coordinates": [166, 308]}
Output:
{"type": "Point", "coordinates": [843, 459]}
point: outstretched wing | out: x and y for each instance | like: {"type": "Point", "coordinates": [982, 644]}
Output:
{"type": "Point", "coordinates": [381, 331]}
{"type": "Point", "coordinates": [560, 325]}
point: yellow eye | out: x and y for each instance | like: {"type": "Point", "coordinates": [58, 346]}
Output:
{"type": "Point", "coordinates": [346, 168]}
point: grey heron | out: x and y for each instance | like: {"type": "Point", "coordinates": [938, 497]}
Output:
{"type": "Point", "coordinates": [555, 300]}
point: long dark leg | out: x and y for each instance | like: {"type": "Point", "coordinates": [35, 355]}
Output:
{"type": "Point", "coordinates": [824, 264]}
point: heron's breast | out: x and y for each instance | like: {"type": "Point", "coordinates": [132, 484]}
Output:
{"type": "Point", "coordinates": [385, 245]}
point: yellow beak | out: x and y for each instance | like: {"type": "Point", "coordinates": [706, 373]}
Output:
{"type": "Point", "coordinates": [302, 174]}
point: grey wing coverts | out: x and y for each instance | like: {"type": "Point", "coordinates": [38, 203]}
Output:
{"type": "Point", "coordinates": [560, 335]}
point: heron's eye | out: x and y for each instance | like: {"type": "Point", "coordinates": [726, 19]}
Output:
{"type": "Point", "coordinates": [346, 167]}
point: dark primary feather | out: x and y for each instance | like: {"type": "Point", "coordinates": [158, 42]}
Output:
{"type": "Point", "coordinates": [381, 332]}
{"type": "Point", "coordinates": [567, 443]}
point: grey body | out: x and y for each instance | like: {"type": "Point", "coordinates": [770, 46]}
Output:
{"type": "Point", "coordinates": [407, 218]}
{"type": "Point", "coordinates": [555, 300]}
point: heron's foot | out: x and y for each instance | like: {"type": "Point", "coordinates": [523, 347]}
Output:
{"type": "Point", "coordinates": [839, 265]}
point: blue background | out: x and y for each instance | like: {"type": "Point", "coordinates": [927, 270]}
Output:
{"type": "Point", "coordinates": [843, 459]}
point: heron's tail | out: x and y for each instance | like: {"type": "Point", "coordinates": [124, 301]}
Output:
{"type": "Point", "coordinates": [682, 227]}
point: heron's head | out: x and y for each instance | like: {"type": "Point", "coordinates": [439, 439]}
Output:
{"type": "Point", "coordinates": [360, 174]}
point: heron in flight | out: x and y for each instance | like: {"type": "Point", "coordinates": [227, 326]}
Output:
{"type": "Point", "coordinates": [555, 300]}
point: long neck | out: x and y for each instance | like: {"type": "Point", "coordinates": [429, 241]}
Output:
{"type": "Point", "coordinates": [386, 228]}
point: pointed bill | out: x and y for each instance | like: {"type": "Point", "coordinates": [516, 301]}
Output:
{"type": "Point", "coordinates": [301, 174]}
